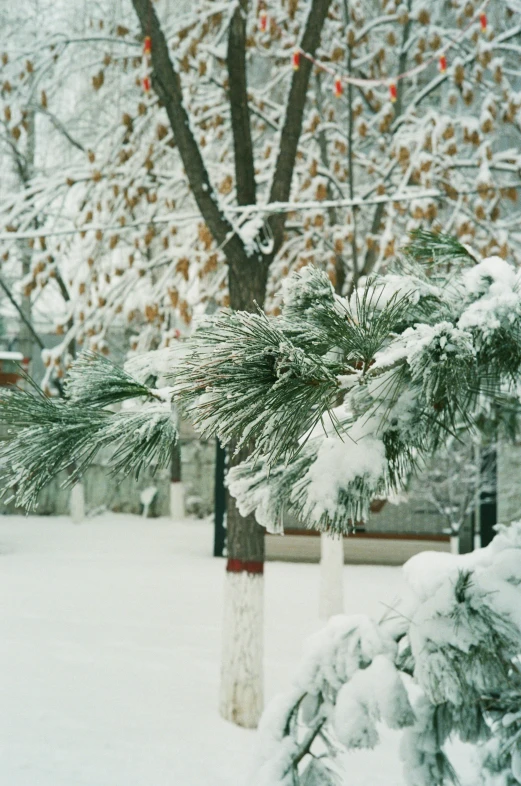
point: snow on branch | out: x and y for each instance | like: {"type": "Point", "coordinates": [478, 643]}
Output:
{"type": "Point", "coordinates": [440, 666]}
{"type": "Point", "coordinates": [46, 437]}
{"type": "Point", "coordinates": [343, 398]}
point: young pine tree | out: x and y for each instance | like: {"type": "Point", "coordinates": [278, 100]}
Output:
{"type": "Point", "coordinates": [277, 167]}
{"type": "Point", "coordinates": [337, 400]}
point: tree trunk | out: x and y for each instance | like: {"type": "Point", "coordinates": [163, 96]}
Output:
{"type": "Point", "coordinates": [241, 695]}
{"type": "Point", "coordinates": [177, 498]}
{"type": "Point", "coordinates": [488, 496]}
{"type": "Point", "coordinates": [77, 503]}
{"type": "Point", "coordinates": [331, 578]}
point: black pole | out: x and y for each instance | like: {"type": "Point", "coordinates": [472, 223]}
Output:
{"type": "Point", "coordinates": [473, 529]}
{"type": "Point", "coordinates": [175, 464]}
{"type": "Point", "coordinates": [219, 539]}
{"type": "Point", "coordinates": [488, 494]}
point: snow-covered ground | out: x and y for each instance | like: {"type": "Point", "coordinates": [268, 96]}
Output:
{"type": "Point", "coordinates": [110, 648]}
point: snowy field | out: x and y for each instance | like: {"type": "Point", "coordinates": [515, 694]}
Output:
{"type": "Point", "coordinates": [110, 648]}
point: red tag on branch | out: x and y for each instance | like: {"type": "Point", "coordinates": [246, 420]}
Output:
{"type": "Point", "coordinates": [483, 21]}
{"type": "Point", "coordinates": [393, 92]}
{"type": "Point", "coordinates": [295, 60]}
{"type": "Point", "coordinates": [443, 64]}
{"type": "Point", "coordinates": [147, 45]}
{"type": "Point", "coordinates": [263, 21]}
{"type": "Point", "coordinates": [146, 84]}
{"type": "Point", "coordinates": [339, 88]}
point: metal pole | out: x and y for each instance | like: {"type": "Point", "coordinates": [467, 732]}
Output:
{"type": "Point", "coordinates": [488, 494]}
{"type": "Point", "coordinates": [219, 540]}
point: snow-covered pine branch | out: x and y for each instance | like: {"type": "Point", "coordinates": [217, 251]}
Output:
{"type": "Point", "coordinates": [339, 398]}
{"type": "Point", "coordinates": [441, 665]}
{"type": "Point", "coordinates": [448, 135]}
{"type": "Point", "coordinates": [47, 436]}
{"type": "Point", "coordinates": [342, 398]}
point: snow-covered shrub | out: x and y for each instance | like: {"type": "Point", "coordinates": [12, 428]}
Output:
{"type": "Point", "coordinates": [443, 665]}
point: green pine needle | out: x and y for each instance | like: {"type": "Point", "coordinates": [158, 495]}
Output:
{"type": "Point", "coordinates": [434, 248]}
{"type": "Point", "coordinates": [96, 381]}
{"type": "Point", "coordinates": [46, 437]}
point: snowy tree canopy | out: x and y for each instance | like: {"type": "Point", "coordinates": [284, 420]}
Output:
{"type": "Point", "coordinates": [105, 215]}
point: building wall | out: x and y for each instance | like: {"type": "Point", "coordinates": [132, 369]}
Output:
{"type": "Point", "coordinates": [197, 471]}
{"type": "Point", "coordinates": [358, 549]}
{"type": "Point", "coordinates": [509, 482]}
{"type": "Point", "coordinates": [412, 516]}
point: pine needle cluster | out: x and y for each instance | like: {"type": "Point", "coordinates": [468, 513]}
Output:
{"type": "Point", "coordinates": [410, 359]}
{"type": "Point", "coordinates": [46, 437]}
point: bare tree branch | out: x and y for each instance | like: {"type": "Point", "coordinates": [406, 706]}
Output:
{"type": "Point", "coordinates": [21, 314]}
{"type": "Point", "coordinates": [59, 126]}
{"type": "Point", "coordinates": [167, 84]}
{"type": "Point", "coordinates": [370, 256]}
{"type": "Point", "coordinates": [340, 267]}
{"type": "Point", "coordinates": [240, 112]}
{"type": "Point", "coordinates": [350, 163]}
{"type": "Point", "coordinates": [292, 127]}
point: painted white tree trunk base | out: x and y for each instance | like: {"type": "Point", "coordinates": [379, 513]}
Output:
{"type": "Point", "coordinates": [331, 576]}
{"type": "Point", "coordinates": [454, 544]}
{"type": "Point", "coordinates": [241, 693]}
{"type": "Point", "coordinates": [146, 498]}
{"type": "Point", "coordinates": [77, 503]}
{"type": "Point", "coordinates": [177, 501]}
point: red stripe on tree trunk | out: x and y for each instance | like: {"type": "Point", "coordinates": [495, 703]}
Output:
{"type": "Point", "coordinates": [240, 565]}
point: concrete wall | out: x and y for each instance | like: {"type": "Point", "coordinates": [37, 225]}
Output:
{"type": "Point", "coordinates": [197, 471]}
{"type": "Point", "coordinates": [414, 516]}
{"type": "Point", "coordinates": [509, 483]}
{"type": "Point", "coordinates": [358, 549]}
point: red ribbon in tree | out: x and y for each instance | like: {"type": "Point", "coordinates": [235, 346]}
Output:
{"type": "Point", "coordinates": [295, 60]}
{"type": "Point", "coordinates": [339, 88]}
{"type": "Point", "coordinates": [443, 64]}
{"type": "Point", "coordinates": [263, 21]}
{"type": "Point", "coordinates": [483, 21]}
{"type": "Point", "coordinates": [393, 92]}
{"type": "Point", "coordinates": [147, 51]}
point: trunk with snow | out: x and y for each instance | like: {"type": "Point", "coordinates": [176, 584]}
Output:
{"type": "Point", "coordinates": [241, 694]}
{"type": "Point", "coordinates": [77, 503]}
{"type": "Point", "coordinates": [177, 501]}
{"type": "Point", "coordinates": [454, 543]}
{"type": "Point", "coordinates": [331, 576]}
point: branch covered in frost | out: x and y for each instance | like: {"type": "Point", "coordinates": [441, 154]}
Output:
{"type": "Point", "coordinates": [441, 665]}
{"type": "Point", "coordinates": [47, 436]}
{"type": "Point", "coordinates": [342, 398]}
